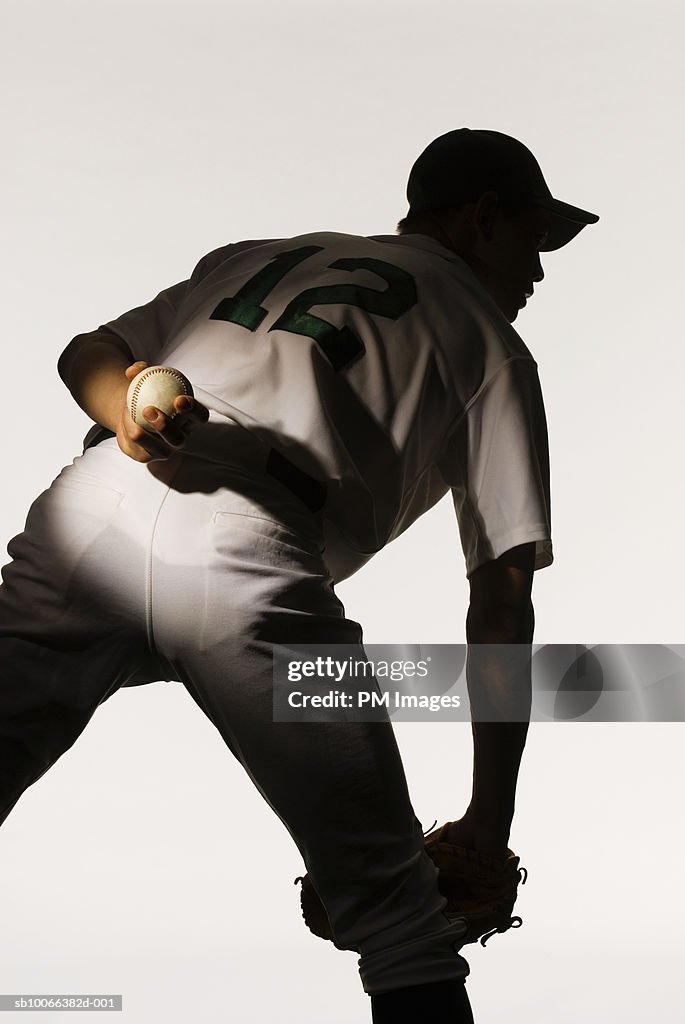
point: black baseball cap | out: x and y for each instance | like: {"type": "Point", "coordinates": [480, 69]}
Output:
{"type": "Point", "coordinates": [460, 166]}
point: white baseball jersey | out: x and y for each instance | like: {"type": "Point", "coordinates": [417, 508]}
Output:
{"type": "Point", "coordinates": [378, 367]}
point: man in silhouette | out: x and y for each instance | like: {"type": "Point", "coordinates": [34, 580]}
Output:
{"type": "Point", "coordinates": [343, 385]}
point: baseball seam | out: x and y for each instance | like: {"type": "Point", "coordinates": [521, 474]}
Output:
{"type": "Point", "coordinates": [150, 373]}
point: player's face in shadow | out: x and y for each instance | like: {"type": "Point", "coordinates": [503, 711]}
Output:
{"type": "Point", "coordinates": [510, 257]}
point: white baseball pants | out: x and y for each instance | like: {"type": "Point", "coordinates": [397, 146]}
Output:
{"type": "Point", "coordinates": [191, 570]}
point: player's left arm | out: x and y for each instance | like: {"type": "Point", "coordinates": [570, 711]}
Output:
{"type": "Point", "coordinates": [501, 493]}
{"type": "Point", "coordinates": [499, 631]}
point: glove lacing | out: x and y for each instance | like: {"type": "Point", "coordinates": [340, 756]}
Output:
{"type": "Point", "coordinates": [514, 922]}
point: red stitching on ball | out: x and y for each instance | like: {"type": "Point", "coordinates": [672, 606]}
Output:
{"type": "Point", "coordinates": [176, 374]}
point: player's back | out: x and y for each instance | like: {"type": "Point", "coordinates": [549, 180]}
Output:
{"type": "Point", "coordinates": [352, 356]}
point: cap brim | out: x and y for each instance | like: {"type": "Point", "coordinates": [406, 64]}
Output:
{"type": "Point", "coordinates": [566, 222]}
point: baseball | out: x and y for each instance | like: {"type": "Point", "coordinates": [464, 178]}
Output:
{"type": "Point", "coordinates": [158, 386]}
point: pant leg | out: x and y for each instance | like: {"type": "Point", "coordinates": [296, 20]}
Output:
{"type": "Point", "coordinates": [442, 1000]}
{"type": "Point", "coordinates": [72, 627]}
{"type": "Point", "coordinates": [234, 573]}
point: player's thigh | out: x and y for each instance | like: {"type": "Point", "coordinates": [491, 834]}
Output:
{"type": "Point", "coordinates": [266, 587]}
{"type": "Point", "coordinates": [232, 583]}
{"type": "Point", "coordinates": [340, 790]}
{"type": "Point", "coordinates": [66, 638]}
{"type": "Point", "coordinates": [338, 786]}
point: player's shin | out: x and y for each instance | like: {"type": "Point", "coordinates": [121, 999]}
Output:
{"type": "Point", "coordinates": [446, 1001]}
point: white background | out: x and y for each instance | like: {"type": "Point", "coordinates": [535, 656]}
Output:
{"type": "Point", "coordinates": [140, 134]}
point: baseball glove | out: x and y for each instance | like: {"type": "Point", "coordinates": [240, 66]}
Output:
{"type": "Point", "coordinates": [478, 889]}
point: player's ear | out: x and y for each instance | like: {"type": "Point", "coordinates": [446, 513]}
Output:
{"type": "Point", "coordinates": [484, 214]}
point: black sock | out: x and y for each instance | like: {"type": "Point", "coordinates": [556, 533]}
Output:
{"type": "Point", "coordinates": [417, 1003]}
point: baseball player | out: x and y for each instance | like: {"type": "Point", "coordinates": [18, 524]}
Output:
{"type": "Point", "coordinates": [343, 385]}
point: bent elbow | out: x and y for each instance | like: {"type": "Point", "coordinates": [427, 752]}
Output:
{"type": "Point", "coordinates": [495, 623]}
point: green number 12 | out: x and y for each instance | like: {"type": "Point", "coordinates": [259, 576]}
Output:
{"type": "Point", "coordinates": [341, 345]}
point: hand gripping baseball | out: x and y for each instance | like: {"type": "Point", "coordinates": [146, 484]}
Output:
{"type": "Point", "coordinates": [148, 432]}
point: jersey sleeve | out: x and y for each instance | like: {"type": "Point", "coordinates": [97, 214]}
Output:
{"type": "Point", "coordinates": [496, 462]}
{"type": "Point", "coordinates": [146, 328]}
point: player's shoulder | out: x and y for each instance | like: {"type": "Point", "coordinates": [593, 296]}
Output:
{"type": "Point", "coordinates": [417, 248]}
{"type": "Point", "coordinates": [452, 301]}
{"type": "Point", "coordinates": [406, 249]}
{"type": "Point", "coordinates": [220, 255]}
{"type": "Point", "coordinates": [270, 247]}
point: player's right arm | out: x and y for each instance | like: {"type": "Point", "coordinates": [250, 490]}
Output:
{"type": "Point", "coordinates": [97, 368]}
